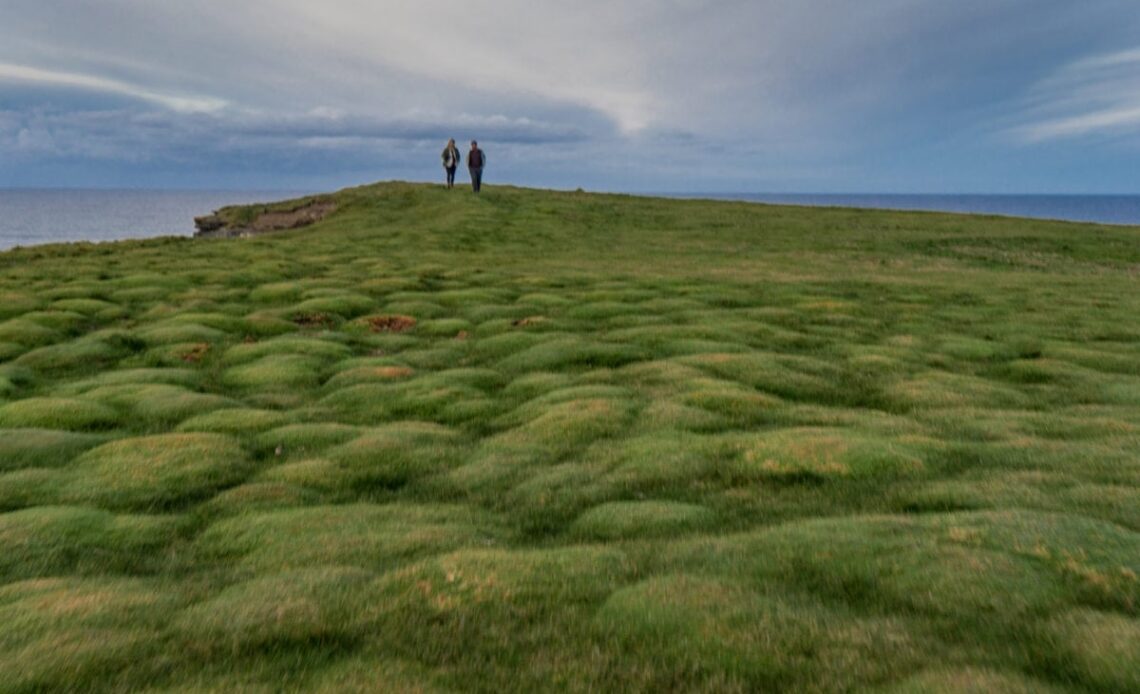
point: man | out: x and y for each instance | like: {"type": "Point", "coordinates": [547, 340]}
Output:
{"type": "Point", "coordinates": [475, 162]}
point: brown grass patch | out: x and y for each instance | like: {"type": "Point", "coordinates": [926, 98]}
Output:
{"type": "Point", "coordinates": [304, 215]}
{"type": "Point", "coordinates": [195, 353]}
{"type": "Point", "coordinates": [391, 324]}
{"type": "Point", "coordinates": [314, 320]}
{"type": "Point", "coordinates": [393, 372]}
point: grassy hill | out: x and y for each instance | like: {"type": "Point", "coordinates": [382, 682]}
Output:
{"type": "Point", "coordinates": [562, 441]}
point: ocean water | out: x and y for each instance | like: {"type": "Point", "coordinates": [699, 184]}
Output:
{"type": "Point", "coordinates": [31, 217]}
{"type": "Point", "coordinates": [1102, 209]}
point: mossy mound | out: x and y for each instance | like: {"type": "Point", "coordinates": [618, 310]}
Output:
{"type": "Point", "coordinates": [157, 403]}
{"type": "Point", "coordinates": [748, 639]}
{"type": "Point", "coordinates": [280, 371]}
{"type": "Point", "coordinates": [234, 421]}
{"type": "Point", "coordinates": [186, 378]}
{"type": "Point", "coordinates": [28, 333]}
{"type": "Point", "coordinates": [20, 448]}
{"type": "Point", "coordinates": [306, 439]}
{"type": "Point", "coordinates": [57, 540]}
{"type": "Point", "coordinates": [77, 629]}
{"type": "Point", "coordinates": [292, 608]}
{"type": "Point", "coordinates": [630, 519]}
{"type": "Point", "coordinates": [393, 455]}
{"type": "Point", "coordinates": [157, 472]}
{"type": "Point", "coordinates": [361, 535]}
{"type": "Point", "coordinates": [59, 413]}
{"type": "Point", "coordinates": [317, 348]}
{"type": "Point", "coordinates": [813, 453]}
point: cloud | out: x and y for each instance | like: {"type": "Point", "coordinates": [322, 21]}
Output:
{"type": "Point", "coordinates": [422, 126]}
{"type": "Point", "coordinates": [1093, 97]}
{"type": "Point", "coordinates": [52, 78]}
{"type": "Point", "coordinates": [127, 134]}
{"type": "Point", "coordinates": [765, 69]}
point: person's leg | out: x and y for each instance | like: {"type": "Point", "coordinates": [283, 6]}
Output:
{"type": "Point", "coordinates": [478, 179]}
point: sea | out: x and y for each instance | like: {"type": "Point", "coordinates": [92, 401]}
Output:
{"type": "Point", "coordinates": [1100, 209]}
{"type": "Point", "coordinates": [32, 217]}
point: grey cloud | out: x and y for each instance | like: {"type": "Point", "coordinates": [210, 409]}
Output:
{"type": "Point", "coordinates": [767, 69]}
{"type": "Point", "coordinates": [497, 127]}
{"type": "Point", "coordinates": [129, 135]}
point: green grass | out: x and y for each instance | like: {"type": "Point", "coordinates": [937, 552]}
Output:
{"type": "Point", "coordinates": [234, 421]}
{"type": "Point", "coordinates": [544, 441]}
{"type": "Point", "coordinates": [20, 448]}
{"type": "Point", "coordinates": [58, 413]}
{"type": "Point", "coordinates": [156, 472]}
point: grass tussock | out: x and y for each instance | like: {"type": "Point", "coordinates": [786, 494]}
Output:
{"type": "Point", "coordinates": [234, 421]}
{"type": "Point", "coordinates": [368, 536]}
{"type": "Point", "coordinates": [156, 472]}
{"type": "Point", "coordinates": [59, 413]}
{"type": "Point", "coordinates": [292, 608]}
{"type": "Point", "coordinates": [61, 540]}
{"type": "Point", "coordinates": [631, 519]}
{"type": "Point", "coordinates": [43, 448]}
{"type": "Point", "coordinates": [78, 631]}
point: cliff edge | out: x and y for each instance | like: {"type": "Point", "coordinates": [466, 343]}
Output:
{"type": "Point", "coordinates": [251, 220]}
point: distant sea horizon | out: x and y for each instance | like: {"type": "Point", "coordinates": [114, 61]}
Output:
{"type": "Point", "coordinates": [34, 216]}
{"type": "Point", "coordinates": [38, 216]}
{"type": "Point", "coordinates": [1119, 209]}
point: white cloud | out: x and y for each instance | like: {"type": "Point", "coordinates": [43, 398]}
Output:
{"type": "Point", "coordinates": [52, 78]}
{"type": "Point", "coordinates": [1097, 96]}
{"type": "Point", "coordinates": [1124, 118]}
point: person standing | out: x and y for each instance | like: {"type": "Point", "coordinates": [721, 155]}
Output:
{"type": "Point", "coordinates": [451, 159]}
{"type": "Point", "coordinates": [476, 160]}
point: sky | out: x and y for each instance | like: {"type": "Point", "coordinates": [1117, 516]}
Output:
{"type": "Point", "coordinates": [843, 96]}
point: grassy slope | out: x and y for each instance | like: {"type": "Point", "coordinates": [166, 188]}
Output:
{"type": "Point", "coordinates": [629, 444]}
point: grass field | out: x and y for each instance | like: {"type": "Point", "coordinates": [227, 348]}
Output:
{"type": "Point", "coordinates": [541, 441]}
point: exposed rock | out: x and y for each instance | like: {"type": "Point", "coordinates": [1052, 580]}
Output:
{"type": "Point", "coordinates": [208, 224]}
{"type": "Point", "coordinates": [230, 222]}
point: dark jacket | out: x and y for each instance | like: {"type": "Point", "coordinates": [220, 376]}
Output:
{"type": "Point", "coordinates": [456, 157]}
{"type": "Point", "coordinates": [476, 159]}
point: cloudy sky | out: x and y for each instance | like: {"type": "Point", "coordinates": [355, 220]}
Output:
{"type": "Point", "coordinates": [999, 96]}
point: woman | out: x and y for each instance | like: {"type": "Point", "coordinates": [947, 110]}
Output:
{"type": "Point", "coordinates": [450, 161]}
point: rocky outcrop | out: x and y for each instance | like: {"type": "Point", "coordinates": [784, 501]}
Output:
{"type": "Point", "coordinates": [208, 225]}
{"type": "Point", "coordinates": [230, 222]}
